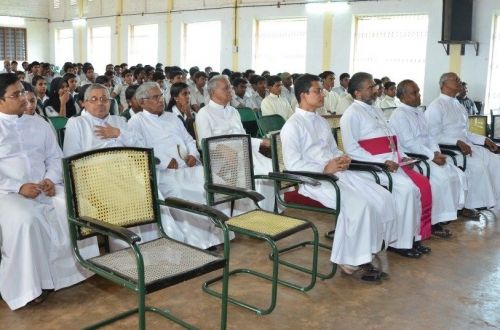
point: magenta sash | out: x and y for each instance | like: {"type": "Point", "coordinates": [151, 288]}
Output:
{"type": "Point", "coordinates": [381, 145]}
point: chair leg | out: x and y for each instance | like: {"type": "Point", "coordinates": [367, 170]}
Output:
{"type": "Point", "coordinates": [225, 289]}
{"type": "Point", "coordinates": [142, 308]}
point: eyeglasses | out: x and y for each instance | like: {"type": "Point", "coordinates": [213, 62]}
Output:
{"type": "Point", "coordinates": [16, 95]}
{"type": "Point", "coordinates": [156, 97]}
{"type": "Point", "coordinates": [316, 91]}
{"type": "Point", "coordinates": [95, 99]}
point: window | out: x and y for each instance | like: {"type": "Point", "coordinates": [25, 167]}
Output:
{"type": "Point", "coordinates": [493, 97]}
{"type": "Point", "coordinates": [57, 4]}
{"type": "Point", "coordinates": [143, 44]}
{"type": "Point", "coordinates": [13, 44]}
{"type": "Point", "coordinates": [99, 48]}
{"type": "Point", "coordinates": [64, 46]}
{"type": "Point", "coordinates": [280, 45]}
{"type": "Point", "coordinates": [392, 46]}
{"type": "Point", "coordinates": [201, 45]}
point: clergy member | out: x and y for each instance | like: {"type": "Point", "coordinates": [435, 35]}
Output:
{"type": "Point", "coordinates": [219, 118]}
{"type": "Point", "coordinates": [97, 129]}
{"type": "Point", "coordinates": [448, 124]}
{"type": "Point", "coordinates": [367, 137]}
{"type": "Point", "coordinates": [367, 210]}
{"type": "Point", "coordinates": [274, 103]}
{"type": "Point", "coordinates": [180, 170]}
{"type": "Point", "coordinates": [448, 182]}
{"type": "Point", "coordinates": [35, 245]}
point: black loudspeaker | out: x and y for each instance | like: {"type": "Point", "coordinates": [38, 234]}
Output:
{"type": "Point", "coordinates": [457, 20]}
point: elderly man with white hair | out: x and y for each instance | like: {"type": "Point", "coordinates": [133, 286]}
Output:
{"type": "Point", "coordinates": [448, 124]}
{"type": "Point", "coordinates": [97, 129]}
{"type": "Point", "coordinates": [218, 117]}
{"type": "Point", "coordinates": [180, 173]}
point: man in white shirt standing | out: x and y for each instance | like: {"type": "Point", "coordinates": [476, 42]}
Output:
{"type": "Point", "coordinates": [448, 124]}
{"type": "Point", "coordinates": [35, 246]}
{"type": "Point", "coordinates": [367, 210]}
{"type": "Point", "coordinates": [448, 182]}
{"type": "Point", "coordinates": [274, 104]}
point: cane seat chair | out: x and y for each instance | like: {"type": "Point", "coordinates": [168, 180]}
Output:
{"type": "Point", "coordinates": [268, 124]}
{"type": "Point", "coordinates": [229, 176]}
{"type": "Point", "coordinates": [495, 125]}
{"type": "Point", "coordinates": [108, 190]}
{"type": "Point", "coordinates": [59, 124]}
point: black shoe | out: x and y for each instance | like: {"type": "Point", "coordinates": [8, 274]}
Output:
{"type": "Point", "coordinates": [409, 253]}
{"type": "Point", "coordinates": [470, 213]}
{"type": "Point", "coordinates": [439, 231]}
{"type": "Point", "coordinates": [361, 274]}
{"type": "Point", "coordinates": [40, 299]}
{"type": "Point", "coordinates": [371, 268]}
{"type": "Point", "coordinates": [417, 246]}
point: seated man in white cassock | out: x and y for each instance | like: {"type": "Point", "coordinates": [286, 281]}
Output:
{"type": "Point", "coordinates": [219, 118]}
{"type": "Point", "coordinates": [367, 137]}
{"type": "Point", "coordinates": [367, 210]}
{"type": "Point", "coordinates": [448, 182]}
{"type": "Point", "coordinates": [180, 173]}
{"type": "Point", "coordinates": [274, 103]}
{"type": "Point", "coordinates": [448, 124]}
{"type": "Point", "coordinates": [34, 235]}
{"type": "Point", "coordinates": [97, 129]}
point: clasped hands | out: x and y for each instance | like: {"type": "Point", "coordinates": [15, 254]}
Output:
{"type": "Point", "coordinates": [337, 164]}
{"type": "Point", "coordinates": [190, 161]}
{"type": "Point", "coordinates": [32, 190]}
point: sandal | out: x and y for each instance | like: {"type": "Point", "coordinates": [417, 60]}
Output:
{"type": "Point", "coordinates": [370, 267]}
{"type": "Point", "coordinates": [470, 213]}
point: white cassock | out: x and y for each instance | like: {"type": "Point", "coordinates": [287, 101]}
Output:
{"type": "Point", "coordinates": [80, 137]}
{"type": "Point", "coordinates": [168, 137]}
{"type": "Point", "coordinates": [361, 122]}
{"type": "Point", "coordinates": [276, 105]}
{"type": "Point", "coordinates": [367, 210]}
{"type": "Point", "coordinates": [215, 119]}
{"type": "Point", "coordinates": [448, 182]}
{"type": "Point", "coordinates": [34, 235]}
{"type": "Point", "coordinates": [448, 123]}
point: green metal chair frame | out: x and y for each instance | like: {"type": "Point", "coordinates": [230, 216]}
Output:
{"type": "Point", "coordinates": [219, 193]}
{"type": "Point", "coordinates": [268, 124]}
{"type": "Point", "coordinates": [59, 124]}
{"type": "Point", "coordinates": [82, 225]}
{"type": "Point", "coordinates": [249, 121]}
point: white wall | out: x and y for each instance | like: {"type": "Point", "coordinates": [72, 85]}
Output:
{"type": "Point", "coordinates": [474, 69]}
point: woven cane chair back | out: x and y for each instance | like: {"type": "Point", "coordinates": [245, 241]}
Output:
{"type": "Point", "coordinates": [229, 163]}
{"type": "Point", "coordinates": [338, 138]}
{"type": "Point", "coordinates": [333, 120]}
{"type": "Point", "coordinates": [122, 194]}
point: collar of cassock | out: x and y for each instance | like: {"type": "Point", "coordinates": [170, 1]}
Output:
{"type": "Point", "coordinates": [93, 118]}
{"type": "Point", "coordinates": [305, 113]}
{"type": "Point", "coordinates": [364, 105]}
{"type": "Point", "coordinates": [149, 114]}
{"type": "Point", "coordinates": [8, 117]}
{"type": "Point", "coordinates": [408, 107]}
{"type": "Point", "coordinates": [447, 98]}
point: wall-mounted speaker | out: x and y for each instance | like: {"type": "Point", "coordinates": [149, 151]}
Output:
{"type": "Point", "coordinates": [457, 20]}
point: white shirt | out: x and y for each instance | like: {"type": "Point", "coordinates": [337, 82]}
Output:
{"type": "Point", "coordinates": [449, 122]}
{"type": "Point", "coordinates": [412, 131]}
{"type": "Point", "coordinates": [340, 90]}
{"type": "Point", "coordinates": [198, 97]}
{"type": "Point", "coordinates": [28, 152]}
{"type": "Point", "coordinates": [344, 102]}
{"type": "Point", "coordinates": [241, 102]}
{"type": "Point", "coordinates": [167, 135]}
{"type": "Point", "coordinates": [80, 134]}
{"type": "Point", "coordinates": [276, 105]}
{"type": "Point", "coordinates": [288, 94]}
{"type": "Point", "coordinates": [389, 102]}
{"type": "Point", "coordinates": [330, 103]}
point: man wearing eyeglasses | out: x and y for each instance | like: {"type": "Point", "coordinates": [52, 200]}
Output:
{"type": "Point", "coordinates": [448, 124]}
{"type": "Point", "coordinates": [367, 137]}
{"type": "Point", "coordinates": [180, 173]}
{"type": "Point", "coordinates": [96, 128]}
{"type": "Point", "coordinates": [36, 254]}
